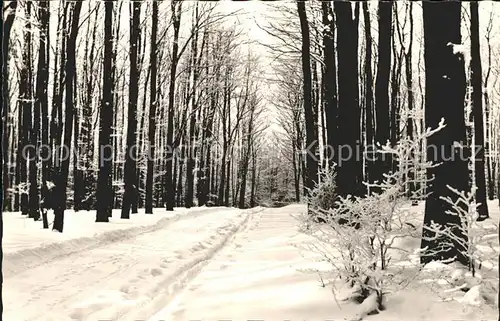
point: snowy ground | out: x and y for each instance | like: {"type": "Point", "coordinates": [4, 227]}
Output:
{"type": "Point", "coordinates": [203, 264]}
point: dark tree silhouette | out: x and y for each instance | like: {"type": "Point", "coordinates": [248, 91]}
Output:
{"type": "Point", "coordinates": [382, 131]}
{"type": "Point", "coordinates": [349, 170]}
{"type": "Point", "coordinates": [176, 7]}
{"type": "Point", "coordinates": [329, 78]}
{"type": "Point", "coordinates": [370, 128]}
{"type": "Point", "coordinates": [25, 98]}
{"type": "Point", "coordinates": [477, 111]}
{"type": "Point", "coordinates": [104, 188]}
{"type": "Point", "coordinates": [444, 98]}
{"type": "Point", "coordinates": [130, 170]}
{"type": "Point", "coordinates": [7, 26]}
{"type": "Point", "coordinates": [41, 100]}
{"type": "Point", "coordinates": [153, 103]}
{"type": "Point", "coordinates": [1, 167]}
{"type": "Point", "coordinates": [311, 127]}
{"type": "Point", "coordinates": [5, 36]}
{"type": "Point", "coordinates": [61, 179]}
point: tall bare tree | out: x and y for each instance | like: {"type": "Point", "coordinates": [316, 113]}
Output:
{"type": "Point", "coordinates": [382, 83]}
{"type": "Point", "coordinates": [176, 7]}
{"type": "Point", "coordinates": [62, 173]}
{"type": "Point", "coordinates": [130, 197]}
{"type": "Point", "coordinates": [4, 110]}
{"type": "Point", "coordinates": [153, 103]}
{"type": "Point", "coordinates": [311, 127]}
{"type": "Point", "coordinates": [104, 184]}
{"type": "Point", "coordinates": [349, 171]}
{"type": "Point", "coordinates": [444, 72]}
{"type": "Point", "coordinates": [477, 111]}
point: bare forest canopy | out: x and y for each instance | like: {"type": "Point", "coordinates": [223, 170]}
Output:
{"type": "Point", "coordinates": [161, 104]}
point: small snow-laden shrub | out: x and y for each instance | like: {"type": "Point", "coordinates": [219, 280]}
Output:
{"type": "Point", "coordinates": [480, 243]}
{"type": "Point", "coordinates": [481, 246]}
{"type": "Point", "coordinates": [324, 195]}
{"type": "Point", "coordinates": [212, 200]}
{"type": "Point", "coordinates": [368, 254]}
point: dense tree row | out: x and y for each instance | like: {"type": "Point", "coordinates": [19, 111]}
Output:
{"type": "Point", "coordinates": [374, 73]}
{"type": "Point", "coordinates": [163, 111]}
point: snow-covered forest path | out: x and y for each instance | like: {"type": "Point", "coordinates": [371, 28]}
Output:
{"type": "Point", "coordinates": [210, 264]}
{"type": "Point", "coordinates": [136, 275]}
{"type": "Point", "coordinates": [259, 276]}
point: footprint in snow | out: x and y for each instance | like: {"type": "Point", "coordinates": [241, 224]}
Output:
{"type": "Point", "coordinates": [156, 271]}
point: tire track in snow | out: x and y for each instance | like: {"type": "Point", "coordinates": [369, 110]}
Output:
{"type": "Point", "coordinates": [161, 307]}
{"type": "Point", "coordinates": [172, 286]}
{"type": "Point", "coordinates": [20, 261]}
{"type": "Point", "coordinates": [49, 292]}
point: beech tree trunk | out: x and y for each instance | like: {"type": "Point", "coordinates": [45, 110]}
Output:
{"type": "Point", "coordinates": [130, 171]}
{"type": "Point", "coordinates": [153, 102]}
{"type": "Point", "coordinates": [382, 132]}
{"type": "Point", "coordinates": [477, 111]}
{"type": "Point", "coordinates": [329, 81]}
{"type": "Point", "coordinates": [444, 73]}
{"type": "Point", "coordinates": [349, 170]}
{"type": "Point", "coordinates": [104, 194]}
{"type": "Point", "coordinates": [311, 129]}
{"type": "Point", "coordinates": [370, 131]}
{"type": "Point", "coordinates": [176, 8]}
{"type": "Point", "coordinates": [63, 168]}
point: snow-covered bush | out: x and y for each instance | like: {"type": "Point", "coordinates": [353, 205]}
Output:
{"type": "Point", "coordinates": [367, 255]}
{"type": "Point", "coordinates": [212, 200]}
{"type": "Point", "coordinates": [481, 245]}
{"type": "Point", "coordinates": [324, 195]}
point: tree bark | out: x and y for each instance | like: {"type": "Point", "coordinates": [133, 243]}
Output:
{"type": "Point", "coordinates": [349, 169]}
{"type": "Point", "coordinates": [311, 129]}
{"type": "Point", "coordinates": [41, 105]}
{"type": "Point", "coordinates": [176, 8]}
{"type": "Point", "coordinates": [409, 84]}
{"type": "Point", "coordinates": [104, 194]}
{"type": "Point", "coordinates": [370, 131]}
{"type": "Point", "coordinates": [25, 96]}
{"type": "Point", "coordinates": [382, 133]}
{"type": "Point", "coordinates": [444, 73]}
{"type": "Point", "coordinates": [130, 170]}
{"type": "Point", "coordinates": [153, 102]}
{"type": "Point", "coordinates": [7, 27]}
{"type": "Point", "coordinates": [477, 111]}
{"type": "Point", "coordinates": [330, 81]}
{"type": "Point", "coordinates": [193, 127]}
{"type": "Point", "coordinates": [63, 168]}
{"type": "Point", "coordinates": [4, 110]}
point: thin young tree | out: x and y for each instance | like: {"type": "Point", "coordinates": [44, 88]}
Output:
{"type": "Point", "coordinates": [26, 105]}
{"type": "Point", "coordinates": [153, 103]}
{"type": "Point", "coordinates": [382, 131]}
{"type": "Point", "coordinates": [176, 7]}
{"type": "Point", "coordinates": [41, 101]}
{"type": "Point", "coordinates": [369, 124]}
{"type": "Point", "coordinates": [195, 111]}
{"type": "Point", "coordinates": [411, 97]}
